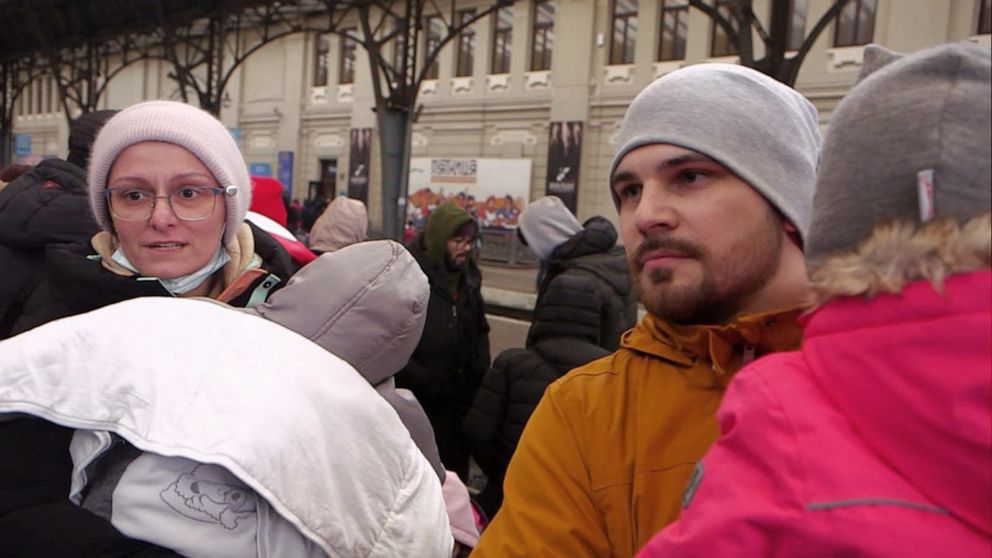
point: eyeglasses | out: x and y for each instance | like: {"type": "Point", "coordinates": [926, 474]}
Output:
{"type": "Point", "coordinates": [462, 240]}
{"type": "Point", "coordinates": [189, 203]}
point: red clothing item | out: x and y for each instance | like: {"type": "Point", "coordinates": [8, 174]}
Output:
{"type": "Point", "coordinates": [297, 250]}
{"type": "Point", "coordinates": [874, 440]}
{"type": "Point", "coordinates": [266, 198]}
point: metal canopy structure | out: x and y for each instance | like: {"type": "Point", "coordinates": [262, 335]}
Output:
{"type": "Point", "coordinates": [33, 26]}
{"type": "Point", "coordinates": [83, 44]}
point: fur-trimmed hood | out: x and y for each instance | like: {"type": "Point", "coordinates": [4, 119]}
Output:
{"type": "Point", "coordinates": [900, 253]}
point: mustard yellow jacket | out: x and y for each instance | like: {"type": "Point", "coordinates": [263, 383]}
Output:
{"type": "Point", "coordinates": [605, 459]}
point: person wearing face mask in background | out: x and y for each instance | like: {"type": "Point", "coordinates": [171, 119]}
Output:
{"type": "Point", "coordinates": [453, 354]}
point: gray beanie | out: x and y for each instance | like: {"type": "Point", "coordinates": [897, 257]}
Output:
{"type": "Point", "coordinates": [762, 130]}
{"type": "Point", "coordinates": [186, 126]}
{"type": "Point", "coordinates": [920, 123]}
{"type": "Point", "coordinates": [545, 224]}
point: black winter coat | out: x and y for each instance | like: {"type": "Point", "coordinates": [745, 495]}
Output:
{"type": "Point", "coordinates": [585, 303]}
{"type": "Point", "coordinates": [75, 283]}
{"type": "Point", "coordinates": [36, 516]}
{"type": "Point", "coordinates": [453, 355]}
{"type": "Point", "coordinates": [46, 205]}
{"type": "Point", "coordinates": [586, 300]}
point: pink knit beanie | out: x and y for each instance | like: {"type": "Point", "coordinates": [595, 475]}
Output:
{"type": "Point", "coordinates": [186, 126]}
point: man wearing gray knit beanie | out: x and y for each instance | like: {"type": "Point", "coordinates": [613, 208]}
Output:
{"type": "Point", "coordinates": [713, 179]}
{"type": "Point", "coordinates": [875, 438]}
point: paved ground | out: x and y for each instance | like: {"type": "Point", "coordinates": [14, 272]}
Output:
{"type": "Point", "coordinates": [520, 279]}
{"type": "Point", "coordinates": [511, 287]}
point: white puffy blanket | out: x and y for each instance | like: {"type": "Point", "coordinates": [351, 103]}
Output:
{"type": "Point", "coordinates": [193, 379]}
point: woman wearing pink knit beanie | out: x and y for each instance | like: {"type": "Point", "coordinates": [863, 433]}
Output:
{"type": "Point", "coordinates": [170, 189]}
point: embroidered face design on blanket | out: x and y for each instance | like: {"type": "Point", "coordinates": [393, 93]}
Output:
{"type": "Point", "coordinates": [199, 497]}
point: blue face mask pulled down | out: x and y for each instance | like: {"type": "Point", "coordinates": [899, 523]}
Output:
{"type": "Point", "coordinates": [186, 283]}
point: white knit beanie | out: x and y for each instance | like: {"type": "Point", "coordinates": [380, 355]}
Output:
{"type": "Point", "coordinates": [546, 223]}
{"type": "Point", "coordinates": [186, 126]}
{"type": "Point", "coordinates": [764, 131]}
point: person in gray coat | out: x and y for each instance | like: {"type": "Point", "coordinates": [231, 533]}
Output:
{"type": "Point", "coordinates": [371, 316]}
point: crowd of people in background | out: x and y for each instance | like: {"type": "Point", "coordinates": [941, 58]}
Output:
{"type": "Point", "coordinates": [192, 364]}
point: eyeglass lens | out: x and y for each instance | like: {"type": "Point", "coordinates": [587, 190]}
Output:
{"type": "Point", "coordinates": [190, 203]}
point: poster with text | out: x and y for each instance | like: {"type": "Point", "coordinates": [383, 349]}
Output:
{"type": "Point", "coordinates": [358, 164]}
{"type": "Point", "coordinates": [495, 191]}
{"type": "Point", "coordinates": [564, 155]}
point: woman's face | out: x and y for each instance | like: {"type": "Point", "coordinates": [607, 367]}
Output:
{"type": "Point", "coordinates": [163, 245]}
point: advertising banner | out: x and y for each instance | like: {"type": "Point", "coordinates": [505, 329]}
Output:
{"type": "Point", "coordinates": [285, 164]}
{"type": "Point", "coordinates": [564, 155]}
{"type": "Point", "coordinates": [495, 191]}
{"type": "Point", "coordinates": [358, 164]}
{"type": "Point", "coordinates": [22, 145]}
{"type": "Point", "coordinates": [236, 136]}
{"type": "Point", "coordinates": [260, 169]}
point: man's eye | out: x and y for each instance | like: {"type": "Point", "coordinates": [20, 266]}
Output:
{"type": "Point", "coordinates": [691, 176]}
{"type": "Point", "coordinates": [630, 191]}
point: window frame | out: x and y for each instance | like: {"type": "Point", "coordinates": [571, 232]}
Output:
{"type": "Point", "coordinates": [794, 41]}
{"type": "Point", "coordinates": [432, 41]}
{"type": "Point", "coordinates": [545, 31]}
{"type": "Point", "coordinates": [681, 11]}
{"type": "Point", "coordinates": [623, 51]}
{"type": "Point", "coordinates": [856, 35]}
{"type": "Point", "coordinates": [719, 37]}
{"type": "Point", "coordinates": [465, 44]}
{"type": "Point", "coordinates": [502, 42]}
{"type": "Point", "coordinates": [346, 57]}
{"type": "Point", "coordinates": [321, 52]}
{"type": "Point", "coordinates": [984, 24]}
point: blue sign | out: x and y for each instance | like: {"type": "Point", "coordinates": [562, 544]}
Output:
{"type": "Point", "coordinates": [285, 160]}
{"type": "Point", "coordinates": [22, 144]}
{"type": "Point", "coordinates": [236, 135]}
{"type": "Point", "coordinates": [260, 169]}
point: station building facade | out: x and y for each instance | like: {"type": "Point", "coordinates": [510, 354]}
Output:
{"type": "Point", "coordinates": [545, 82]}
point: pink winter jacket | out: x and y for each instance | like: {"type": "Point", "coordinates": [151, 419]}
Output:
{"type": "Point", "coordinates": [874, 440]}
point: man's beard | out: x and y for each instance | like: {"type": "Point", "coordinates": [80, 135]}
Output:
{"type": "Point", "coordinates": [725, 287]}
{"type": "Point", "coordinates": [451, 265]}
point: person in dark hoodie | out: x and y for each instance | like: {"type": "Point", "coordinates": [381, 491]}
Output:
{"type": "Point", "coordinates": [453, 353]}
{"type": "Point", "coordinates": [584, 304]}
{"type": "Point", "coordinates": [46, 205]}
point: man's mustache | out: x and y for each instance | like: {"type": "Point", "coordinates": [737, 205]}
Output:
{"type": "Point", "coordinates": [664, 241]}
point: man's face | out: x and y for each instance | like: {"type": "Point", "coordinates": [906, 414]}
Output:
{"type": "Point", "coordinates": [458, 249]}
{"type": "Point", "coordinates": [701, 243]}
